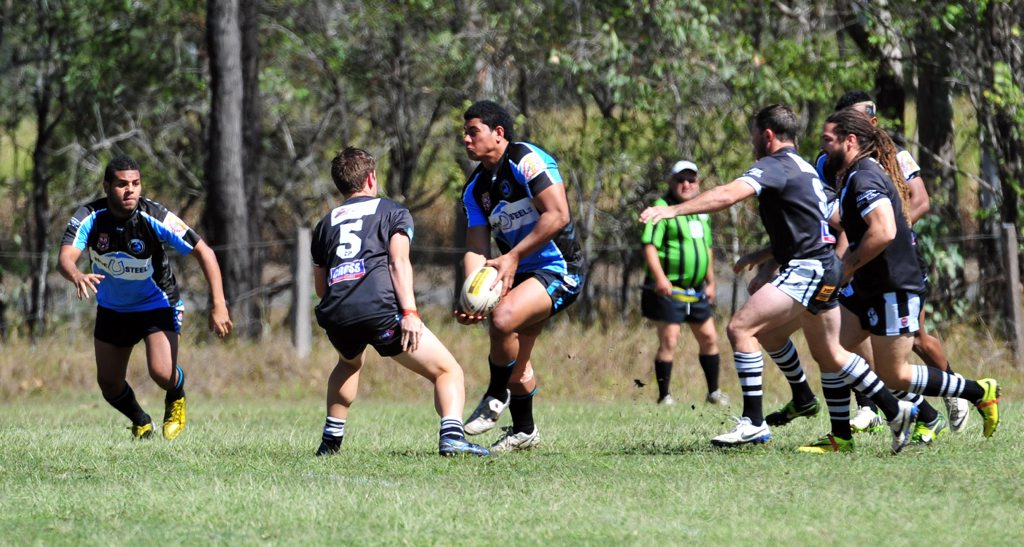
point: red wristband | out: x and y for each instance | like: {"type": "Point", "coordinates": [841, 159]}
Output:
{"type": "Point", "coordinates": [410, 312]}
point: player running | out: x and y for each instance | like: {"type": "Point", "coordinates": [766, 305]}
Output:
{"type": "Point", "coordinates": [137, 297]}
{"type": "Point", "coordinates": [795, 210]}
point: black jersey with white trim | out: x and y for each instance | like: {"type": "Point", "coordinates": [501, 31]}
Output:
{"type": "Point", "coordinates": [897, 267]}
{"type": "Point", "coordinates": [130, 253]}
{"type": "Point", "coordinates": [352, 243]}
{"type": "Point", "coordinates": [794, 206]}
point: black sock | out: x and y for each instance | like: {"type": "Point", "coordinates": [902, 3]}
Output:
{"type": "Point", "coordinates": [521, 410]}
{"type": "Point", "coordinates": [177, 390]}
{"type": "Point", "coordinates": [926, 413]}
{"type": "Point", "coordinates": [498, 386]}
{"type": "Point", "coordinates": [863, 400]}
{"type": "Point", "coordinates": [663, 374]}
{"type": "Point", "coordinates": [127, 404]}
{"type": "Point", "coordinates": [710, 365]}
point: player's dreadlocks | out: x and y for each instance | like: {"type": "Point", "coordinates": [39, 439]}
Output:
{"type": "Point", "coordinates": [874, 143]}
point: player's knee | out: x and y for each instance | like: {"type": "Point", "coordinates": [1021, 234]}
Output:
{"type": "Point", "coordinates": [503, 322]}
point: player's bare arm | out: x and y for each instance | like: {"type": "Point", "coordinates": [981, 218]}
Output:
{"type": "Point", "coordinates": [400, 268]}
{"type": "Point", "coordinates": [553, 207]}
{"type": "Point", "coordinates": [711, 201]}
{"type": "Point", "coordinates": [662, 285]}
{"type": "Point", "coordinates": [920, 202]}
{"type": "Point", "coordinates": [478, 249]}
{"type": "Point", "coordinates": [710, 289]}
{"type": "Point", "coordinates": [220, 320]}
{"type": "Point", "coordinates": [67, 265]}
{"type": "Point", "coordinates": [880, 233]}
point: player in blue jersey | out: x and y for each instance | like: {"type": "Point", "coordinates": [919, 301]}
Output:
{"type": "Point", "coordinates": [796, 212]}
{"type": "Point", "coordinates": [363, 277]}
{"type": "Point", "coordinates": [516, 196]}
{"type": "Point", "coordinates": [126, 236]}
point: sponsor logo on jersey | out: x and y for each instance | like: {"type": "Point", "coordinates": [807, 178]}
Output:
{"type": "Point", "coordinates": [103, 242]}
{"type": "Point", "coordinates": [868, 197]}
{"type": "Point", "coordinates": [136, 246]}
{"type": "Point", "coordinates": [124, 266]}
{"type": "Point", "coordinates": [514, 216]}
{"type": "Point", "coordinates": [175, 224]}
{"type": "Point", "coordinates": [347, 271]}
{"type": "Point", "coordinates": [353, 211]}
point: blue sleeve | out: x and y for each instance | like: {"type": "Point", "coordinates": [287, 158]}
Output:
{"type": "Point", "coordinates": [474, 215]}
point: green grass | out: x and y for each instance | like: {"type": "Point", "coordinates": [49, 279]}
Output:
{"type": "Point", "coordinates": [623, 472]}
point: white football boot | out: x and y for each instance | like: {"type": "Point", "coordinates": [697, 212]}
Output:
{"type": "Point", "coordinates": [902, 426]}
{"type": "Point", "coordinates": [487, 414]}
{"type": "Point", "coordinates": [511, 442]}
{"type": "Point", "coordinates": [744, 433]}
{"type": "Point", "coordinates": [959, 410]}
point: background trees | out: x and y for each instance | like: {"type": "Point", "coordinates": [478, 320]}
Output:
{"type": "Point", "coordinates": [234, 108]}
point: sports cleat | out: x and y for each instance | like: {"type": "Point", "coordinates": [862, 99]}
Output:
{"type": "Point", "coordinates": [958, 411]}
{"type": "Point", "coordinates": [988, 406]}
{"type": "Point", "coordinates": [902, 425]}
{"type": "Point", "coordinates": [667, 400]}
{"type": "Point", "coordinates": [925, 433]}
{"type": "Point", "coordinates": [717, 397]}
{"type": "Point", "coordinates": [826, 444]}
{"type": "Point", "coordinates": [511, 442]}
{"type": "Point", "coordinates": [460, 447]}
{"type": "Point", "coordinates": [486, 415]}
{"type": "Point", "coordinates": [329, 446]}
{"type": "Point", "coordinates": [789, 412]}
{"type": "Point", "coordinates": [867, 420]}
{"type": "Point", "coordinates": [174, 418]}
{"type": "Point", "coordinates": [744, 433]}
{"type": "Point", "coordinates": [143, 431]}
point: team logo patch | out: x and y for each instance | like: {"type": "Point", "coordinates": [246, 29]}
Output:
{"type": "Point", "coordinates": [74, 223]}
{"type": "Point", "coordinates": [485, 200]}
{"type": "Point", "coordinates": [347, 271]}
{"type": "Point", "coordinates": [904, 322]}
{"type": "Point", "coordinates": [531, 166]}
{"type": "Point", "coordinates": [506, 188]}
{"type": "Point", "coordinates": [136, 246]}
{"type": "Point", "coordinates": [754, 172]}
{"type": "Point", "coordinates": [569, 280]}
{"type": "Point", "coordinates": [103, 242]}
{"type": "Point", "coordinates": [175, 224]}
{"type": "Point", "coordinates": [825, 294]}
{"type": "Point", "coordinates": [872, 317]}
{"type": "Point", "coordinates": [385, 335]}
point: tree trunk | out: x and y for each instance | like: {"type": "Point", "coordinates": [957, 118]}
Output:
{"type": "Point", "coordinates": [226, 218]}
{"type": "Point", "coordinates": [935, 127]}
{"type": "Point", "coordinates": [252, 136]}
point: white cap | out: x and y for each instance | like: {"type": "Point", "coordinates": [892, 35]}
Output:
{"type": "Point", "coordinates": [683, 165]}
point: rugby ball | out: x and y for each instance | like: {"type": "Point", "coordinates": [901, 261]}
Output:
{"type": "Point", "coordinates": [477, 297]}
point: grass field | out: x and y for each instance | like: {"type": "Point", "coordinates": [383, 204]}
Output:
{"type": "Point", "coordinates": [607, 473]}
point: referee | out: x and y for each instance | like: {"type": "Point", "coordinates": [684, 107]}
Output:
{"type": "Point", "coordinates": [679, 286]}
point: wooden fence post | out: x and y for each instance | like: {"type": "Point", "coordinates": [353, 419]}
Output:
{"type": "Point", "coordinates": [1012, 302]}
{"type": "Point", "coordinates": [302, 331]}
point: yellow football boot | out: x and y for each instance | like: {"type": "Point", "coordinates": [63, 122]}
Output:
{"type": "Point", "coordinates": [988, 406]}
{"type": "Point", "coordinates": [143, 431]}
{"type": "Point", "coordinates": [174, 419]}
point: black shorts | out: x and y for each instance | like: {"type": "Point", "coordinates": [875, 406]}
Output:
{"type": "Point", "coordinates": [563, 289]}
{"type": "Point", "coordinates": [886, 314]}
{"type": "Point", "coordinates": [672, 310]}
{"type": "Point", "coordinates": [125, 329]}
{"type": "Point", "coordinates": [813, 282]}
{"type": "Point", "coordinates": [383, 333]}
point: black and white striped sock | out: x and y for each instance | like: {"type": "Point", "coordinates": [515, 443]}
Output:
{"type": "Point", "coordinates": [750, 368]}
{"type": "Point", "coordinates": [451, 428]}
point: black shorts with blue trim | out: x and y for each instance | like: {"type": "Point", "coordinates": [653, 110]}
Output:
{"type": "Point", "coordinates": [384, 333]}
{"type": "Point", "coordinates": [126, 328]}
{"type": "Point", "coordinates": [563, 289]}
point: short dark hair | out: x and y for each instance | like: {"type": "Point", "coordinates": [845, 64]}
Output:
{"type": "Point", "coordinates": [493, 115]}
{"type": "Point", "coordinates": [853, 97]}
{"type": "Point", "coordinates": [122, 162]}
{"type": "Point", "coordinates": [349, 169]}
{"type": "Point", "coordinates": [779, 118]}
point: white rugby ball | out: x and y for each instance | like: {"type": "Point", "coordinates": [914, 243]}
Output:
{"type": "Point", "coordinates": [477, 297]}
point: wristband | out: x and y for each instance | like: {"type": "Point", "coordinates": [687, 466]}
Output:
{"type": "Point", "coordinates": [410, 312]}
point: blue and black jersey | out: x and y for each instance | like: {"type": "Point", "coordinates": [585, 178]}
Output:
{"type": "Point", "coordinates": [352, 242]}
{"type": "Point", "coordinates": [503, 200]}
{"type": "Point", "coordinates": [130, 253]}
